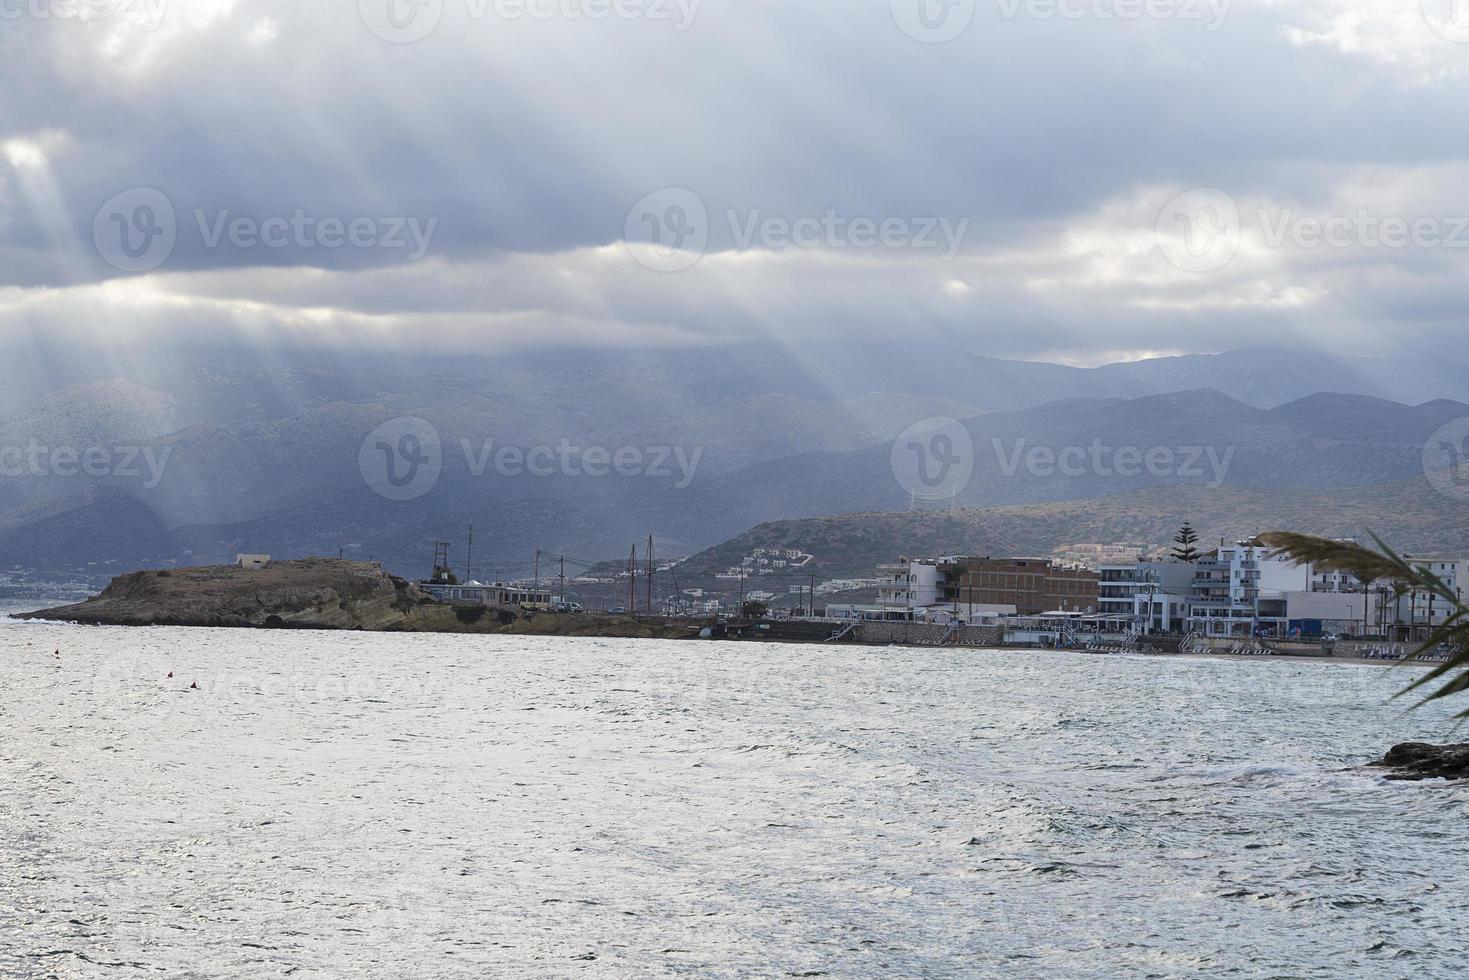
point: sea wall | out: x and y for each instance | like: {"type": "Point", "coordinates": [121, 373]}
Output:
{"type": "Point", "coordinates": [926, 634]}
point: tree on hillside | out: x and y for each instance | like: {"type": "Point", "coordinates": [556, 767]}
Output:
{"type": "Point", "coordinates": [1185, 541]}
{"type": "Point", "coordinates": [1387, 566]}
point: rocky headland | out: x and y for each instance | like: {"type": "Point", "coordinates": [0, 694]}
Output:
{"type": "Point", "coordinates": [325, 593]}
{"type": "Point", "coordinates": [312, 593]}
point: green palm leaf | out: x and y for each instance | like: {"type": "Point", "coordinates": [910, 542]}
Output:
{"type": "Point", "coordinates": [1386, 565]}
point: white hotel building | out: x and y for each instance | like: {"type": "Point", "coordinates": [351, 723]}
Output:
{"type": "Point", "coordinates": [1241, 591]}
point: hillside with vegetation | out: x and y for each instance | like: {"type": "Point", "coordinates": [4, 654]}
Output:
{"type": "Point", "coordinates": [1410, 513]}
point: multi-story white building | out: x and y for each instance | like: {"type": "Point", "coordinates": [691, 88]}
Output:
{"type": "Point", "coordinates": [1240, 589]}
{"type": "Point", "coordinates": [1152, 595]}
{"type": "Point", "coordinates": [911, 583]}
{"type": "Point", "coordinates": [1417, 612]}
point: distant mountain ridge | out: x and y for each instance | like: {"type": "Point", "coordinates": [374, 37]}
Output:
{"type": "Point", "coordinates": [264, 459]}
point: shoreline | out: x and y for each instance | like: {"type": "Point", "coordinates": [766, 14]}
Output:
{"type": "Point", "coordinates": [669, 629]}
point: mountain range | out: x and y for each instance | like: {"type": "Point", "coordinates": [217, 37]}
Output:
{"type": "Point", "coordinates": [235, 451]}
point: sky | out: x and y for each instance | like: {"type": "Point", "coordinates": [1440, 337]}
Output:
{"type": "Point", "coordinates": [1074, 180]}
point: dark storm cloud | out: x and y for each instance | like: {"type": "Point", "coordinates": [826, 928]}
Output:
{"type": "Point", "coordinates": [487, 170]}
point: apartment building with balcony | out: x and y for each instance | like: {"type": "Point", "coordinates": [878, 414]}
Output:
{"type": "Point", "coordinates": [1153, 595]}
{"type": "Point", "coordinates": [910, 583]}
{"type": "Point", "coordinates": [1241, 590]}
{"type": "Point", "coordinates": [1414, 614]}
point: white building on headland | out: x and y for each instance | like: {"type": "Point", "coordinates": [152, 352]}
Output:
{"type": "Point", "coordinates": [252, 561]}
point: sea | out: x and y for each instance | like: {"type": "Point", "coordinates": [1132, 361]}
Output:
{"type": "Point", "coordinates": [230, 803]}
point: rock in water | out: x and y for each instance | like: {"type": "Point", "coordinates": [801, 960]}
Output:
{"type": "Point", "coordinates": [1420, 760]}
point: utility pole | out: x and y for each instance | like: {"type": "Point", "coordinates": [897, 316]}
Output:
{"type": "Point", "coordinates": [469, 556]}
{"type": "Point", "coordinates": [811, 606]}
{"type": "Point", "coordinates": [650, 575]}
{"type": "Point", "coordinates": [1366, 601]}
{"type": "Point", "coordinates": [538, 570]}
{"type": "Point", "coordinates": [563, 579]}
{"type": "Point", "coordinates": [632, 577]}
{"type": "Point", "coordinates": [742, 590]}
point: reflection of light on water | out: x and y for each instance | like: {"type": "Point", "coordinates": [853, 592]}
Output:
{"type": "Point", "coordinates": [423, 805]}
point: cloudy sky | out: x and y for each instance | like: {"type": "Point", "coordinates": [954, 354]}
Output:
{"type": "Point", "coordinates": [1063, 179]}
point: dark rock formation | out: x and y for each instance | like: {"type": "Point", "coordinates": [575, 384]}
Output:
{"type": "Point", "coordinates": [313, 593]}
{"type": "Point", "coordinates": [1420, 760]}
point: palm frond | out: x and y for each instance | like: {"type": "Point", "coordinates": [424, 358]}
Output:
{"type": "Point", "coordinates": [1338, 556]}
{"type": "Point", "coordinates": [1388, 566]}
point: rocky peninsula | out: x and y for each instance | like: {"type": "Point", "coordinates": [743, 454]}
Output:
{"type": "Point", "coordinates": [324, 593]}
{"type": "Point", "coordinates": [312, 593]}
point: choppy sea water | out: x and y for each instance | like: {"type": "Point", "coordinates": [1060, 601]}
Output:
{"type": "Point", "coordinates": [334, 804]}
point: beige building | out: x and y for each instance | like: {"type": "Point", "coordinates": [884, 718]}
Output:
{"type": "Point", "coordinates": [1030, 585]}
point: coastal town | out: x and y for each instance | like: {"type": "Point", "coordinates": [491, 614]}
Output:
{"type": "Point", "coordinates": [1239, 596]}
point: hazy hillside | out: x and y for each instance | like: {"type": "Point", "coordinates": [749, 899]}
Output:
{"type": "Point", "coordinates": [1410, 515]}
